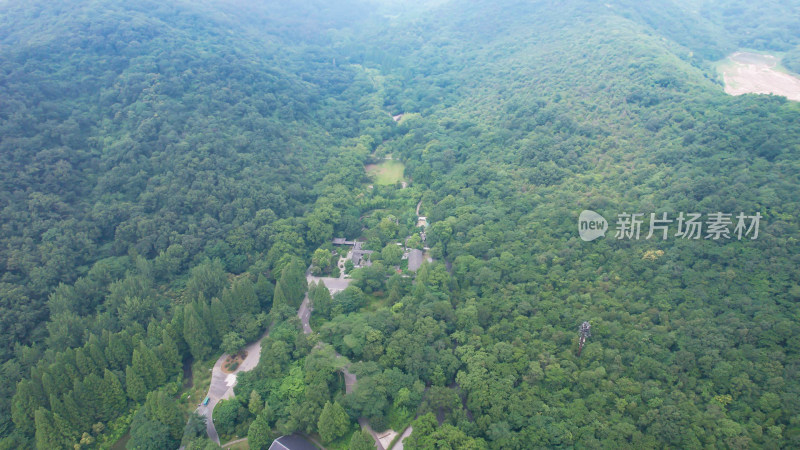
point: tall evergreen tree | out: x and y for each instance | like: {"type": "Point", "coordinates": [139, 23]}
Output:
{"type": "Point", "coordinates": [134, 384]}
{"type": "Point", "coordinates": [361, 440]}
{"type": "Point", "coordinates": [196, 333]}
{"type": "Point", "coordinates": [169, 355]}
{"type": "Point", "coordinates": [148, 366]}
{"type": "Point", "coordinates": [79, 418]}
{"type": "Point", "coordinates": [204, 312]}
{"type": "Point", "coordinates": [255, 404]}
{"type": "Point", "coordinates": [155, 365]}
{"type": "Point", "coordinates": [47, 434]}
{"type": "Point", "coordinates": [321, 299]}
{"type": "Point", "coordinates": [94, 350]}
{"type": "Point", "coordinates": [280, 304]}
{"type": "Point", "coordinates": [175, 329]}
{"type": "Point", "coordinates": [161, 407]}
{"type": "Point", "coordinates": [88, 395]}
{"type": "Point", "coordinates": [68, 423]}
{"type": "Point", "coordinates": [293, 282]}
{"type": "Point", "coordinates": [84, 363]}
{"type": "Point", "coordinates": [112, 397]}
{"type": "Point", "coordinates": [50, 386]}
{"type": "Point", "coordinates": [264, 291]}
{"type": "Point", "coordinates": [259, 435]}
{"type": "Point", "coordinates": [118, 351]}
{"type": "Point", "coordinates": [24, 405]}
{"type": "Point", "coordinates": [220, 317]}
{"type": "Point", "coordinates": [241, 298]}
{"type": "Point", "coordinates": [333, 422]}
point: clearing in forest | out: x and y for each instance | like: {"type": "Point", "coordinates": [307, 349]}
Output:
{"type": "Point", "coordinates": [753, 73]}
{"type": "Point", "coordinates": [387, 172]}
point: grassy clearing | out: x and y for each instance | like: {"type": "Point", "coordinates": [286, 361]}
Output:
{"type": "Point", "coordinates": [386, 173]}
{"type": "Point", "coordinates": [238, 446]}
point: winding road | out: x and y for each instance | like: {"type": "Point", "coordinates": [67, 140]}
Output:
{"type": "Point", "coordinates": [222, 384]}
{"type": "Point", "coordinates": [350, 379]}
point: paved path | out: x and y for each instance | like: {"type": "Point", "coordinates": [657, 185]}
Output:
{"type": "Point", "coordinates": [399, 444]}
{"type": "Point", "coordinates": [222, 384]}
{"type": "Point", "coordinates": [333, 284]}
{"type": "Point", "coordinates": [304, 313]}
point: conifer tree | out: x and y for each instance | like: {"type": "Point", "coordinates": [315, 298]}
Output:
{"type": "Point", "coordinates": [134, 385]}
{"type": "Point", "coordinates": [88, 395]}
{"type": "Point", "coordinates": [161, 407]}
{"type": "Point", "coordinates": [49, 385]}
{"type": "Point", "coordinates": [241, 298]}
{"type": "Point", "coordinates": [94, 349]}
{"type": "Point", "coordinates": [333, 422]}
{"type": "Point", "coordinates": [112, 397]}
{"type": "Point", "coordinates": [264, 291]}
{"type": "Point", "coordinates": [148, 366]}
{"type": "Point", "coordinates": [169, 355]}
{"type": "Point", "coordinates": [259, 435]}
{"type": "Point", "coordinates": [84, 364]}
{"type": "Point", "coordinates": [220, 317]}
{"type": "Point", "coordinates": [321, 299]}
{"type": "Point", "coordinates": [24, 406]}
{"type": "Point", "coordinates": [280, 304]}
{"type": "Point", "coordinates": [77, 417]}
{"type": "Point", "coordinates": [195, 333]}
{"type": "Point", "coordinates": [47, 435]}
{"type": "Point", "coordinates": [255, 404]}
{"type": "Point", "coordinates": [118, 351]}
{"type": "Point", "coordinates": [361, 440]}
{"type": "Point", "coordinates": [293, 282]}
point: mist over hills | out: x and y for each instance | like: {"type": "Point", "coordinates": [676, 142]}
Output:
{"type": "Point", "coordinates": [166, 163]}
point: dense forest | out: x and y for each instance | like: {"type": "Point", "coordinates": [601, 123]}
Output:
{"type": "Point", "coordinates": [171, 170]}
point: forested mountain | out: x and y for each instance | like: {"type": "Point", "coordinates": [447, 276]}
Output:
{"type": "Point", "coordinates": [171, 168]}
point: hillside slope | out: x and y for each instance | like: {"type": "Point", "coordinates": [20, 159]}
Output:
{"type": "Point", "coordinates": [170, 169]}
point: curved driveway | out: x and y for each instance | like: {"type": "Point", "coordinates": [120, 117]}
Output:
{"type": "Point", "coordinates": [222, 384]}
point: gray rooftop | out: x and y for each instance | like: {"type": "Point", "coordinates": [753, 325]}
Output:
{"type": "Point", "coordinates": [414, 259]}
{"type": "Point", "coordinates": [292, 442]}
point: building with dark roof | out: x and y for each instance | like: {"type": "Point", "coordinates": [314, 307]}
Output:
{"type": "Point", "coordinates": [292, 442]}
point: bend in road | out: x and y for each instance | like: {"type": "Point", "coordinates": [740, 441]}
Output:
{"type": "Point", "coordinates": [222, 383]}
{"type": "Point", "coordinates": [304, 313]}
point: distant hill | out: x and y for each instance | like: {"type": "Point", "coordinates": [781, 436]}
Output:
{"type": "Point", "coordinates": [168, 169]}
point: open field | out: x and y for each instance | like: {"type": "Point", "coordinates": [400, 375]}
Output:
{"type": "Point", "coordinates": [387, 172]}
{"type": "Point", "coordinates": [754, 73]}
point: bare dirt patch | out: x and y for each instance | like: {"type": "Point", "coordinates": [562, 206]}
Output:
{"type": "Point", "coordinates": [753, 73]}
{"type": "Point", "coordinates": [233, 362]}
